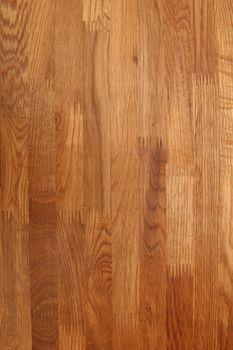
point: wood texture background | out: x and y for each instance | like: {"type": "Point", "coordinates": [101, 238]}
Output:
{"type": "Point", "coordinates": [116, 173]}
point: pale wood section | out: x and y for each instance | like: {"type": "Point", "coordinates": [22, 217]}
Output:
{"type": "Point", "coordinates": [40, 44]}
{"type": "Point", "coordinates": [125, 223]}
{"type": "Point", "coordinates": [69, 165]}
{"type": "Point", "coordinates": [177, 25]}
{"type": "Point", "coordinates": [180, 220]}
{"type": "Point", "coordinates": [124, 77]}
{"type": "Point", "coordinates": [97, 119]}
{"type": "Point", "coordinates": [96, 14]}
{"type": "Point", "coordinates": [205, 31]}
{"type": "Point", "coordinates": [152, 74]}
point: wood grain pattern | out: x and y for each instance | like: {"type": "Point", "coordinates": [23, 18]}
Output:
{"type": "Point", "coordinates": [180, 221]}
{"type": "Point", "coordinates": [116, 170]}
{"type": "Point", "coordinates": [225, 265]}
{"type": "Point", "coordinates": [205, 110]}
{"type": "Point", "coordinates": [124, 84]}
{"type": "Point", "coordinates": [152, 251]}
{"type": "Point", "coordinates": [15, 315]}
{"type": "Point", "coordinates": [72, 272]}
{"type": "Point", "coordinates": [41, 173]}
{"type": "Point", "coordinates": [43, 268]}
{"type": "Point", "coordinates": [225, 75]}
{"type": "Point", "coordinates": [98, 280]}
{"type": "Point", "coordinates": [205, 24]}
{"type": "Point", "coordinates": [180, 312]}
{"type": "Point", "coordinates": [69, 105]}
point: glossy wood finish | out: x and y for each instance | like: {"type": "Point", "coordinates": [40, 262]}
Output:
{"type": "Point", "coordinates": [116, 154]}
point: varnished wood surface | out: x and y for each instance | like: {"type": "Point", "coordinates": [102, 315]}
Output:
{"type": "Point", "coordinates": [116, 175]}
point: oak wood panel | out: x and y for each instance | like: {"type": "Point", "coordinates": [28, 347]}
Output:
{"type": "Point", "coordinates": [98, 280]}
{"type": "Point", "coordinates": [97, 209]}
{"type": "Point", "coordinates": [180, 311]}
{"type": "Point", "coordinates": [225, 125]}
{"type": "Point", "coordinates": [71, 271]}
{"type": "Point", "coordinates": [205, 113]}
{"type": "Point", "coordinates": [152, 242]}
{"type": "Point", "coordinates": [43, 274]}
{"type": "Point", "coordinates": [15, 313]}
{"type": "Point", "coordinates": [41, 176]}
{"type": "Point", "coordinates": [69, 105]}
{"type": "Point", "coordinates": [124, 92]}
{"type": "Point", "coordinates": [116, 134]}
{"type": "Point", "coordinates": [205, 31]}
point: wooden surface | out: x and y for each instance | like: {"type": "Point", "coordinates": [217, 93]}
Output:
{"type": "Point", "coordinates": [116, 174]}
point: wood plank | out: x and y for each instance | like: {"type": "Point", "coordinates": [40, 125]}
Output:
{"type": "Point", "coordinates": [206, 133]}
{"type": "Point", "coordinates": [180, 219]}
{"type": "Point", "coordinates": [14, 108]}
{"type": "Point", "coordinates": [43, 267]}
{"type": "Point", "coordinates": [180, 257]}
{"type": "Point", "coordinates": [180, 312]}
{"type": "Point", "coordinates": [205, 31]}
{"type": "Point", "coordinates": [42, 219]}
{"type": "Point", "coordinates": [15, 313]}
{"type": "Point", "coordinates": [124, 84]}
{"type": "Point", "coordinates": [225, 31]}
{"type": "Point", "coordinates": [152, 245]}
{"type": "Point", "coordinates": [42, 186]}
{"type": "Point", "coordinates": [98, 280]}
{"type": "Point", "coordinates": [72, 278]}
{"type": "Point", "coordinates": [225, 265]}
{"type": "Point", "coordinates": [69, 105]}
{"type": "Point", "coordinates": [177, 25]}
{"type": "Point", "coordinates": [97, 119]}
